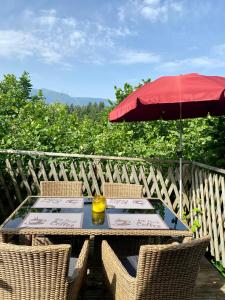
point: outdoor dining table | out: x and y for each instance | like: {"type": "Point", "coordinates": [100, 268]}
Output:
{"type": "Point", "coordinates": [38, 215]}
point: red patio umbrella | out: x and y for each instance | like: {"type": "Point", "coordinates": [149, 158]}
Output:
{"type": "Point", "coordinates": [171, 98]}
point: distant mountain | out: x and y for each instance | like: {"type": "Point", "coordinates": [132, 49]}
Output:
{"type": "Point", "coordinates": [53, 96]}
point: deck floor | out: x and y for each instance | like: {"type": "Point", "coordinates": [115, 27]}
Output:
{"type": "Point", "coordinates": [210, 284]}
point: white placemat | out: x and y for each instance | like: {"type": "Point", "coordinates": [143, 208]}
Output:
{"type": "Point", "coordinates": [59, 202]}
{"type": "Point", "coordinates": [129, 203]}
{"type": "Point", "coordinates": [136, 221]}
{"type": "Point", "coordinates": [53, 220]}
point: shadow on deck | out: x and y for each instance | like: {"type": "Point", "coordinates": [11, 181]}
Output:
{"type": "Point", "coordinates": [210, 284]}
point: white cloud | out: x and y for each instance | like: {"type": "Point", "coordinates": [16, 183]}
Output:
{"type": "Point", "coordinates": [152, 2]}
{"type": "Point", "coordinates": [70, 21]}
{"type": "Point", "coordinates": [48, 18]}
{"type": "Point", "coordinates": [129, 57]}
{"type": "Point", "coordinates": [121, 13]}
{"type": "Point", "coordinates": [16, 43]}
{"type": "Point", "coordinates": [215, 60]}
{"type": "Point", "coordinates": [54, 39]}
{"type": "Point", "coordinates": [197, 64]}
{"type": "Point", "coordinates": [48, 37]}
{"type": "Point", "coordinates": [151, 10]}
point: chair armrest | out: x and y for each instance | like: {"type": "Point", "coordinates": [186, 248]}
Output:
{"type": "Point", "coordinates": [2, 238]}
{"type": "Point", "coordinates": [81, 262]}
{"type": "Point", "coordinates": [80, 267]}
{"type": "Point", "coordinates": [83, 256]}
{"type": "Point", "coordinates": [188, 239]}
{"type": "Point", "coordinates": [115, 271]}
{"type": "Point", "coordinates": [41, 240]}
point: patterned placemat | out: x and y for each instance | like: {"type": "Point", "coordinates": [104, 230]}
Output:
{"type": "Point", "coordinates": [136, 221]}
{"type": "Point", "coordinates": [53, 220]}
{"type": "Point", "coordinates": [51, 202]}
{"type": "Point", "coordinates": [129, 203]}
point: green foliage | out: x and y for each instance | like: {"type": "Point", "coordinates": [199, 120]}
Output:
{"type": "Point", "coordinates": [92, 110]}
{"type": "Point", "coordinates": [196, 223]}
{"type": "Point", "coordinates": [121, 94]}
{"type": "Point", "coordinates": [30, 123]}
{"type": "Point", "coordinates": [218, 265]}
{"type": "Point", "coordinates": [13, 96]}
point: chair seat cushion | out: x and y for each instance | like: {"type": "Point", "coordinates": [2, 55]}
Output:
{"type": "Point", "coordinates": [72, 272]}
{"type": "Point", "coordinates": [130, 263]}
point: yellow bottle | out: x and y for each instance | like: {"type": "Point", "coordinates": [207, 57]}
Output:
{"type": "Point", "coordinates": [98, 218]}
{"type": "Point", "coordinates": [98, 204]}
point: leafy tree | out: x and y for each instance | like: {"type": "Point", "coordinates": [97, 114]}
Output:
{"type": "Point", "coordinates": [13, 96]}
{"type": "Point", "coordinates": [29, 123]}
{"type": "Point", "coordinates": [121, 94]}
{"type": "Point", "coordinates": [92, 110]}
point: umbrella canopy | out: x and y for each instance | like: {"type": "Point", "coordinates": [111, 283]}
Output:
{"type": "Point", "coordinates": [173, 97]}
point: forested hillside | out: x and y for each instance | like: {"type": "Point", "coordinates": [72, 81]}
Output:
{"type": "Point", "coordinates": [30, 123]}
{"type": "Point", "coordinates": [53, 96]}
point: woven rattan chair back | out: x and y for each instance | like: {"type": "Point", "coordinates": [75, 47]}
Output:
{"type": "Point", "coordinates": [122, 190]}
{"type": "Point", "coordinates": [34, 273]}
{"type": "Point", "coordinates": [61, 188]}
{"type": "Point", "coordinates": [169, 272]}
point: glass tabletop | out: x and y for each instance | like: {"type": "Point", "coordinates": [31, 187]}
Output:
{"type": "Point", "coordinates": [91, 220]}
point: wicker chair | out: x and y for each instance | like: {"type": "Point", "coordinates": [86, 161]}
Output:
{"type": "Point", "coordinates": [41, 273]}
{"type": "Point", "coordinates": [2, 238]}
{"type": "Point", "coordinates": [122, 190]}
{"type": "Point", "coordinates": [159, 272]}
{"type": "Point", "coordinates": [75, 242]}
{"type": "Point", "coordinates": [61, 188]}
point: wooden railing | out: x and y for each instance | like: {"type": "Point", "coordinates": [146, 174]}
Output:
{"type": "Point", "coordinates": [203, 186]}
{"type": "Point", "coordinates": [22, 171]}
{"type": "Point", "coordinates": [208, 195]}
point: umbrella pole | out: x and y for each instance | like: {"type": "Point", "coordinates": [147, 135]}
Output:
{"type": "Point", "coordinates": [180, 162]}
{"type": "Point", "coordinates": [180, 184]}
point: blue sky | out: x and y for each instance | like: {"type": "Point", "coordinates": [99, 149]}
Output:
{"type": "Point", "coordinates": [84, 48]}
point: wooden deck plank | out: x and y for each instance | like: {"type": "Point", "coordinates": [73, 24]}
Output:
{"type": "Point", "coordinates": [210, 284]}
